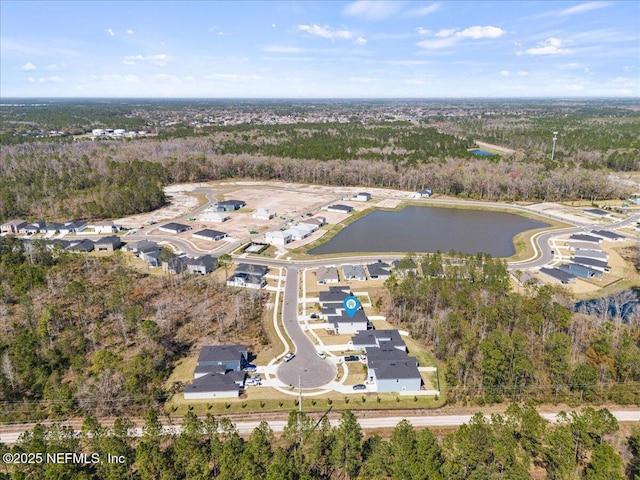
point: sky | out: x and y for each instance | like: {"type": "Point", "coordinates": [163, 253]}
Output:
{"type": "Point", "coordinates": [324, 49]}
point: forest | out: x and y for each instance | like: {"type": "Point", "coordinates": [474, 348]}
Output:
{"type": "Point", "coordinates": [83, 334]}
{"type": "Point", "coordinates": [519, 444]}
{"type": "Point", "coordinates": [500, 344]}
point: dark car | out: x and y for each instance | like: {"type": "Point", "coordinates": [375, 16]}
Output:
{"type": "Point", "coordinates": [360, 386]}
{"type": "Point", "coordinates": [351, 358]}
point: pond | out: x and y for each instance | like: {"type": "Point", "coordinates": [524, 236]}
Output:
{"type": "Point", "coordinates": [482, 153]}
{"type": "Point", "coordinates": [429, 229]}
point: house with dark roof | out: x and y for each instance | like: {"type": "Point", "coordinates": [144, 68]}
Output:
{"type": "Point", "coordinates": [151, 255]}
{"type": "Point", "coordinates": [212, 385]}
{"type": "Point", "coordinates": [595, 254]}
{"type": "Point", "coordinates": [575, 246]}
{"type": "Point", "coordinates": [404, 267]}
{"type": "Point", "coordinates": [175, 265]}
{"type": "Point", "coordinates": [326, 275]}
{"type": "Point", "coordinates": [362, 197]}
{"type": "Point", "coordinates": [230, 205]}
{"type": "Point", "coordinates": [378, 339]}
{"type": "Point", "coordinates": [596, 212]}
{"type": "Point", "coordinates": [559, 275]}
{"type": "Point", "coordinates": [379, 270]}
{"type": "Point", "coordinates": [607, 235]}
{"type": "Point", "coordinates": [108, 244]}
{"type": "Point", "coordinates": [424, 193]}
{"type": "Point", "coordinates": [173, 227]}
{"type": "Point", "coordinates": [135, 247]}
{"type": "Point", "coordinates": [395, 375]}
{"type": "Point", "coordinates": [229, 357]}
{"type": "Point", "coordinates": [76, 226]}
{"type": "Point", "coordinates": [12, 226]}
{"type": "Point", "coordinates": [202, 265]}
{"type": "Point", "coordinates": [580, 237]}
{"type": "Point", "coordinates": [580, 271]}
{"type": "Point", "coordinates": [82, 246]}
{"type": "Point", "coordinates": [56, 228]}
{"type": "Point", "coordinates": [343, 324]}
{"type": "Point", "coordinates": [250, 269]}
{"type": "Point", "coordinates": [211, 235]}
{"type": "Point", "coordinates": [339, 208]}
{"type": "Point", "coordinates": [592, 263]}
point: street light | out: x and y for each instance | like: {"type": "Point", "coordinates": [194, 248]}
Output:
{"type": "Point", "coordinates": [553, 149]}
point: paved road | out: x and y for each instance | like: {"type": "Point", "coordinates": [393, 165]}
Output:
{"type": "Point", "coordinates": [306, 367]}
{"type": "Point", "coordinates": [246, 427]}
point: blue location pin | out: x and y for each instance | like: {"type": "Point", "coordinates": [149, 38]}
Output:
{"type": "Point", "coordinates": [351, 305]}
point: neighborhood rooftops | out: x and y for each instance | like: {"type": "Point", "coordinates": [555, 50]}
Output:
{"type": "Point", "coordinates": [174, 227]}
{"type": "Point", "coordinates": [219, 354]}
{"type": "Point", "coordinates": [596, 212]}
{"type": "Point", "coordinates": [607, 235]}
{"type": "Point", "coordinates": [560, 275]}
{"type": "Point", "coordinates": [208, 234]}
{"type": "Point", "coordinates": [585, 238]}
{"type": "Point", "coordinates": [250, 269]}
{"type": "Point", "coordinates": [340, 208]}
{"type": "Point", "coordinates": [327, 275]}
{"type": "Point", "coordinates": [378, 338]}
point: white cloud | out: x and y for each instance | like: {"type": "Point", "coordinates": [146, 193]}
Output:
{"type": "Point", "coordinates": [505, 73]}
{"type": "Point", "coordinates": [523, 73]}
{"type": "Point", "coordinates": [273, 25]}
{"type": "Point", "coordinates": [445, 32]}
{"type": "Point", "coordinates": [326, 32]}
{"type": "Point", "coordinates": [584, 7]}
{"type": "Point", "coordinates": [31, 80]}
{"type": "Point", "coordinates": [551, 46]}
{"type": "Point", "coordinates": [422, 31]}
{"type": "Point", "coordinates": [422, 11]}
{"type": "Point", "coordinates": [161, 60]}
{"type": "Point", "coordinates": [130, 32]}
{"type": "Point", "coordinates": [361, 79]}
{"type": "Point", "coordinates": [53, 79]}
{"type": "Point", "coordinates": [481, 32]}
{"type": "Point", "coordinates": [414, 82]}
{"type": "Point", "coordinates": [110, 32]}
{"type": "Point", "coordinates": [281, 49]}
{"type": "Point", "coordinates": [360, 41]}
{"type": "Point", "coordinates": [372, 11]}
{"type": "Point", "coordinates": [436, 44]}
{"type": "Point", "coordinates": [27, 67]}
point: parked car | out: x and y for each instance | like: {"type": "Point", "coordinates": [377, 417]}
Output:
{"type": "Point", "coordinates": [250, 367]}
{"type": "Point", "coordinates": [288, 357]}
{"type": "Point", "coordinates": [360, 386]}
{"type": "Point", "coordinates": [351, 358]}
{"type": "Point", "coordinates": [321, 355]}
{"type": "Point", "coordinates": [313, 316]}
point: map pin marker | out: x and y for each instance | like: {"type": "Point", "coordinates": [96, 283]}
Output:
{"type": "Point", "coordinates": [351, 305]}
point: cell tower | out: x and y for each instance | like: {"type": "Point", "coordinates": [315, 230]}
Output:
{"type": "Point", "coordinates": [553, 149]}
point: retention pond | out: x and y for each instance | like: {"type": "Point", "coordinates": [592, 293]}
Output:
{"type": "Point", "coordinates": [431, 229]}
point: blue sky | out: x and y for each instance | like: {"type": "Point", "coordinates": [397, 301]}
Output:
{"type": "Point", "coordinates": [383, 49]}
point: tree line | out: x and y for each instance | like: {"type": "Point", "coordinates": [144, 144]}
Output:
{"type": "Point", "coordinates": [498, 343]}
{"type": "Point", "coordinates": [518, 444]}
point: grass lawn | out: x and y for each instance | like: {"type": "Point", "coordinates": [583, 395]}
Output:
{"type": "Point", "coordinates": [332, 339]}
{"type": "Point", "coordinates": [357, 373]}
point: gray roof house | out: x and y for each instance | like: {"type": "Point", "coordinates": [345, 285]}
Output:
{"type": "Point", "coordinates": [405, 267]}
{"type": "Point", "coordinates": [56, 228]}
{"type": "Point", "coordinates": [202, 265]}
{"type": "Point", "coordinates": [231, 357]}
{"type": "Point", "coordinates": [340, 208]}
{"type": "Point", "coordinates": [379, 270]}
{"type": "Point", "coordinates": [212, 385]}
{"type": "Point", "coordinates": [250, 269]}
{"type": "Point", "coordinates": [580, 237]}
{"type": "Point", "coordinates": [595, 254]}
{"type": "Point", "coordinates": [425, 192]}
{"type": "Point", "coordinates": [212, 235]}
{"type": "Point", "coordinates": [379, 339]}
{"type": "Point", "coordinates": [173, 227]}
{"type": "Point", "coordinates": [596, 212]}
{"type": "Point", "coordinates": [246, 281]}
{"type": "Point", "coordinates": [363, 197]}
{"type": "Point", "coordinates": [77, 225]}
{"type": "Point", "coordinates": [395, 375]}
{"type": "Point", "coordinates": [175, 265]}
{"type": "Point", "coordinates": [607, 235]}
{"type": "Point", "coordinates": [230, 205]}
{"type": "Point", "coordinates": [326, 275]}
{"type": "Point", "coordinates": [580, 271]}
{"type": "Point", "coordinates": [108, 244]}
{"type": "Point", "coordinates": [332, 297]}
{"type": "Point", "coordinates": [135, 247]}
{"type": "Point", "coordinates": [354, 272]}
{"type": "Point", "coordinates": [592, 263]}
{"type": "Point", "coordinates": [83, 246]}
{"type": "Point", "coordinates": [559, 275]}
{"type": "Point", "coordinates": [343, 324]}
{"type": "Point", "coordinates": [151, 255]}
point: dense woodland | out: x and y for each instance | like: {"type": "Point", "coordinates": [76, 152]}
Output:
{"type": "Point", "coordinates": [517, 445]}
{"type": "Point", "coordinates": [87, 334]}
{"type": "Point", "coordinates": [499, 344]}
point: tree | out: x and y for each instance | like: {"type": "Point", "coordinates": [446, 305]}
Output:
{"type": "Point", "coordinates": [225, 261]}
{"type": "Point", "coordinates": [346, 451]}
{"type": "Point", "coordinates": [605, 464]}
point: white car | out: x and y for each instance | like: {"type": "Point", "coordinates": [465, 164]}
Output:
{"type": "Point", "coordinates": [288, 357]}
{"type": "Point", "coordinates": [321, 355]}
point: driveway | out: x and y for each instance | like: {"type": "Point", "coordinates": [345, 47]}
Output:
{"type": "Point", "coordinates": [306, 367]}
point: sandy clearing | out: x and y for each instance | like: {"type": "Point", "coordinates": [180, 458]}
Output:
{"type": "Point", "coordinates": [562, 211]}
{"type": "Point", "coordinates": [180, 203]}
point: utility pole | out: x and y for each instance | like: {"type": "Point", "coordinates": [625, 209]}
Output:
{"type": "Point", "coordinates": [553, 149]}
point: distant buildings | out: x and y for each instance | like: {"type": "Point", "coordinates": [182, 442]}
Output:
{"type": "Point", "coordinates": [218, 373]}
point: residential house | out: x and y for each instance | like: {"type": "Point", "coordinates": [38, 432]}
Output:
{"type": "Point", "coordinates": [596, 212]}
{"type": "Point", "coordinates": [76, 226]}
{"type": "Point", "coordinates": [326, 275]}
{"type": "Point", "coordinates": [202, 265]}
{"type": "Point", "coordinates": [174, 228]}
{"type": "Point", "coordinates": [425, 193]}
{"type": "Point", "coordinates": [211, 235]}
{"type": "Point", "coordinates": [151, 256]}
{"type": "Point", "coordinates": [575, 246]}
{"type": "Point", "coordinates": [301, 231]}
{"type": "Point", "coordinates": [230, 205]}
{"type": "Point", "coordinates": [12, 226]}
{"type": "Point", "coordinates": [33, 228]}
{"type": "Point", "coordinates": [384, 339]}
{"type": "Point", "coordinates": [230, 357]}
{"type": "Point", "coordinates": [108, 244]}
{"type": "Point", "coordinates": [580, 237]}
{"type": "Point", "coordinates": [250, 269]}
{"type": "Point", "coordinates": [561, 276]}
{"type": "Point", "coordinates": [362, 197]}
{"type": "Point", "coordinates": [592, 263]}
{"type": "Point", "coordinates": [339, 208]}
{"type": "Point", "coordinates": [246, 281]}
{"type": "Point", "coordinates": [212, 385]}
{"type": "Point", "coordinates": [263, 214]}
{"type": "Point", "coordinates": [278, 237]}
{"type": "Point", "coordinates": [607, 235]}
{"type": "Point", "coordinates": [82, 246]}
{"type": "Point", "coordinates": [405, 267]}
{"type": "Point", "coordinates": [216, 217]}
{"type": "Point", "coordinates": [56, 228]}
{"type": "Point", "coordinates": [175, 265]}
{"type": "Point", "coordinates": [135, 247]}
{"type": "Point", "coordinates": [104, 227]}
{"type": "Point", "coordinates": [379, 270]}
{"type": "Point", "coordinates": [314, 221]}
{"type": "Point", "coordinates": [395, 375]}
{"type": "Point", "coordinates": [595, 254]}
{"type": "Point", "coordinates": [354, 272]}
{"type": "Point", "coordinates": [344, 324]}
{"type": "Point", "coordinates": [580, 271]}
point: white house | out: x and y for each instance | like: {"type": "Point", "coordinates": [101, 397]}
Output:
{"type": "Point", "coordinates": [211, 235]}
{"type": "Point", "coordinates": [343, 324]}
{"type": "Point", "coordinates": [104, 227]}
{"type": "Point", "coordinates": [263, 214]}
{"type": "Point", "coordinates": [216, 217]}
{"type": "Point", "coordinates": [278, 237]}
{"type": "Point", "coordinates": [362, 197]}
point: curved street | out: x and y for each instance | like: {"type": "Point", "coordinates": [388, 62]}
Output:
{"type": "Point", "coordinates": [306, 369]}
